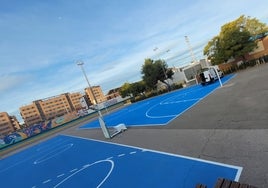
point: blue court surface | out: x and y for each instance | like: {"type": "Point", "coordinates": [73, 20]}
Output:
{"type": "Point", "coordinates": [68, 162]}
{"type": "Point", "coordinates": [158, 110]}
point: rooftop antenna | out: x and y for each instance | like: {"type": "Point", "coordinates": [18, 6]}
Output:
{"type": "Point", "coordinates": [190, 48]}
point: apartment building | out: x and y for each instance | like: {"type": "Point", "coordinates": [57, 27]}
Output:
{"type": "Point", "coordinates": [75, 99]}
{"type": "Point", "coordinates": [8, 124]}
{"type": "Point", "coordinates": [113, 93]}
{"type": "Point", "coordinates": [30, 114]}
{"type": "Point", "coordinates": [49, 108]}
{"type": "Point", "coordinates": [98, 94]}
{"type": "Point", "coordinates": [54, 106]}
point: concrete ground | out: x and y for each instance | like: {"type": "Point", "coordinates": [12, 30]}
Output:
{"type": "Point", "coordinates": [228, 126]}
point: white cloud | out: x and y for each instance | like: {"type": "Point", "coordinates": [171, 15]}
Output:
{"type": "Point", "coordinates": [38, 51]}
{"type": "Point", "coordinates": [9, 82]}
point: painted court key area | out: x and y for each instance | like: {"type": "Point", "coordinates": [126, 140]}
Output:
{"type": "Point", "coordinates": [68, 162]}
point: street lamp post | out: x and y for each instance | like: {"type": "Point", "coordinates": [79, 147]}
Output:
{"type": "Point", "coordinates": [102, 123]}
{"type": "Point", "coordinates": [162, 66]}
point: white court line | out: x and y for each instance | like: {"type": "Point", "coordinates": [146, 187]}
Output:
{"type": "Point", "coordinates": [239, 169]}
{"type": "Point", "coordinates": [147, 115]}
{"type": "Point", "coordinates": [175, 115]}
{"type": "Point", "coordinates": [34, 155]}
{"type": "Point", "coordinates": [201, 98]}
{"type": "Point", "coordinates": [48, 147]}
{"type": "Point", "coordinates": [73, 170]}
{"type": "Point", "coordinates": [87, 166]}
{"type": "Point", "coordinates": [174, 102]}
{"type": "Point", "coordinates": [183, 94]}
{"type": "Point", "coordinates": [167, 103]}
{"type": "Point", "coordinates": [58, 176]}
{"type": "Point", "coordinates": [84, 167]}
{"type": "Point", "coordinates": [53, 153]}
{"type": "Point", "coordinates": [138, 106]}
{"type": "Point", "coordinates": [46, 181]}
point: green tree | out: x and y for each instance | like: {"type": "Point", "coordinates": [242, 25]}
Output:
{"type": "Point", "coordinates": [125, 90]}
{"type": "Point", "coordinates": [154, 71]}
{"type": "Point", "coordinates": [132, 89]}
{"type": "Point", "coordinates": [138, 88]}
{"type": "Point", "coordinates": [234, 40]}
{"type": "Point", "coordinates": [253, 25]}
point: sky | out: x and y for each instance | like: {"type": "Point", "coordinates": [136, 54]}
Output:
{"type": "Point", "coordinates": [42, 41]}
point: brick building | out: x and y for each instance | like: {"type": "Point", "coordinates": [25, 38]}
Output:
{"type": "Point", "coordinates": [49, 108]}
{"type": "Point", "coordinates": [98, 94]}
{"type": "Point", "coordinates": [8, 124]}
{"type": "Point", "coordinates": [113, 93]}
{"type": "Point", "coordinates": [261, 50]}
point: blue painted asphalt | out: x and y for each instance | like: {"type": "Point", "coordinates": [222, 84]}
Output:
{"type": "Point", "coordinates": [159, 110]}
{"type": "Point", "coordinates": [68, 162]}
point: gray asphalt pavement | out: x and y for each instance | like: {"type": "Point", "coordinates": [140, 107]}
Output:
{"type": "Point", "coordinates": [228, 126]}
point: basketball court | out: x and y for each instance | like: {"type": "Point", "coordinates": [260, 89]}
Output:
{"type": "Point", "coordinates": [69, 161]}
{"type": "Point", "coordinates": [66, 161]}
{"type": "Point", "coordinates": [158, 110]}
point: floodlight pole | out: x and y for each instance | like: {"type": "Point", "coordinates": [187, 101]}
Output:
{"type": "Point", "coordinates": [164, 69]}
{"type": "Point", "coordinates": [190, 48]}
{"type": "Point", "coordinates": [101, 121]}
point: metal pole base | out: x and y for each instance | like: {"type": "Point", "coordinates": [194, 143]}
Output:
{"type": "Point", "coordinates": [104, 128]}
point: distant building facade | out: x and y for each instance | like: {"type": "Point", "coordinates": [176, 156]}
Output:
{"type": "Point", "coordinates": [97, 91]}
{"type": "Point", "coordinates": [30, 114]}
{"type": "Point", "coordinates": [75, 100]}
{"type": "Point", "coordinates": [191, 71]}
{"type": "Point", "coordinates": [8, 123]}
{"type": "Point", "coordinates": [113, 93]}
{"type": "Point", "coordinates": [49, 108]}
{"type": "Point", "coordinates": [261, 50]}
{"type": "Point", "coordinates": [178, 77]}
